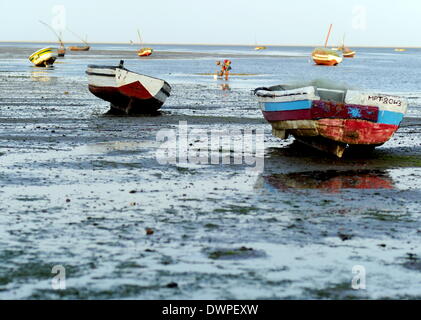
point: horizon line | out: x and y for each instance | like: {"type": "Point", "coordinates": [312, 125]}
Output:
{"type": "Point", "coordinates": [211, 44]}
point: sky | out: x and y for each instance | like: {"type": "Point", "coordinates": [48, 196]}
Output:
{"type": "Point", "coordinates": [272, 22]}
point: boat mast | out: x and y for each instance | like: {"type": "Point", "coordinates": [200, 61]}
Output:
{"type": "Point", "coordinates": [80, 38]}
{"type": "Point", "coordinates": [328, 35]}
{"type": "Point", "coordinates": [60, 40]}
{"type": "Point", "coordinates": [140, 38]}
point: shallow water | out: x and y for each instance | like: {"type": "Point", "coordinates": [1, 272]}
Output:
{"type": "Point", "coordinates": [79, 189]}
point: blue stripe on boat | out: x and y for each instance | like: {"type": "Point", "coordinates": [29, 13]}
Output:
{"type": "Point", "coordinates": [389, 117]}
{"type": "Point", "coordinates": [287, 106]}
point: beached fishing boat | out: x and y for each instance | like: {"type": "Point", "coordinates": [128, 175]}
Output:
{"type": "Point", "coordinates": [79, 48]}
{"type": "Point", "coordinates": [325, 56]}
{"type": "Point", "coordinates": [331, 119]}
{"type": "Point", "coordinates": [85, 47]}
{"type": "Point", "coordinates": [43, 58]}
{"type": "Point", "coordinates": [61, 52]}
{"type": "Point", "coordinates": [128, 92]}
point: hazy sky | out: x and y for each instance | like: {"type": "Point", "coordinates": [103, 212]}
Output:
{"type": "Point", "coordinates": [277, 22]}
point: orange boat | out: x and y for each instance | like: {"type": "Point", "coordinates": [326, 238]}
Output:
{"type": "Point", "coordinates": [79, 48]}
{"type": "Point", "coordinates": [86, 47]}
{"type": "Point", "coordinates": [348, 53]}
{"type": "Point", "coordinates": [325, 56]}
{"type": "Point", "coordinates": [145, 52]}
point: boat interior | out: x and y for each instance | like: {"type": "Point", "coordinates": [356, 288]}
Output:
{"type": "Point", "coordinates": [326, 90]}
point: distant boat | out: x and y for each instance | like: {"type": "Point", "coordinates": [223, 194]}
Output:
{"type": "Point", "coordinates": [260, 48]}
{"type": "Point", "coordinates": [79, 48]}
{"type": "Point", "coordinates": [85, 47]}
{"type": "Point", "coordinates": [346, 52]}
{"type": "Point", "coordinates": [325, 56]}
{"type": "Point", "coordinates": [332, 120]}
{"type": "Point", "coordinates": [43, 58]}
{"type": "Point", "coordinates": [61, 51]}
{"type": "Point", "coordinates": [128, 92]}
{"type": "Point", "coordinates": [143, 52]}
{"type": "Point", "coordinates": [400, 50]}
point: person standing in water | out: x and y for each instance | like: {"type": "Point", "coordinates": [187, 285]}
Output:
{"type": "Point", "coordinates": [226, 69]}
{"type": "Point", "coordinates": [220, 73]}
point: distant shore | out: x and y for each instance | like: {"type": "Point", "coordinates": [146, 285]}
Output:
{"type": "Point", "coordinates": [213, 44]}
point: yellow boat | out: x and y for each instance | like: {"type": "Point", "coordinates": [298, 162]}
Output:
{"type": "Point", "coordinates": [260, 48]}
{"type": "Point", "coordinates": [400, 50]}
{"type": "Point", "coordinates": [44, 57]}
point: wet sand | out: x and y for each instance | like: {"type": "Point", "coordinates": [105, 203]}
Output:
{"type": "Point", "coordinates": [79, 189]}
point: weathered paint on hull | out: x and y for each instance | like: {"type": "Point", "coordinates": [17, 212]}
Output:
{"type": "Point", "coordinates": [332, 126]}
{"type": "Point", "coordinates": [123, 99]}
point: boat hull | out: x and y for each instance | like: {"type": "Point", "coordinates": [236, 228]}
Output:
{"type": "Point", "coordinates": [326, 57]}
{"type": "Point", "coordinates": [326, 60]}
{"type": "Point", "coordinates": [349, 54]}
{"type": "Point", "coordinates": [145, 53]}
{"type": "Point", "coordinates": [43, 58]}
{"type": "Point", "coordinates": [128, 93]}
{"type": "Point", "coordinates": [75, 48]}
{"type": "Point", "coordinates": [362, 120]}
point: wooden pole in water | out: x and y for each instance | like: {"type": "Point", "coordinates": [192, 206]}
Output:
{"type": "Point", "coordinates": [328, 35]}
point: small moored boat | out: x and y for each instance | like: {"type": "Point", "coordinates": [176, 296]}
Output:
{"type": "Point", "coordinates": [43, 58]}
{"type": "Point", "coordinates": [61, 52]}
{"type": "Point", "coordinates": [325, 56]}
{"type": "Point", "coordinates": [128, 92]}
{"type": "Point", "coordinates": [79, 48]}
{"type": "Point", "coordinates": [348, 53]}
{"type": "Point", "coordinates": [332, 120]}
{"type": "Point", "coordinates": [260, 48]}
{"type": "Point", "coordinates": [145, 52]}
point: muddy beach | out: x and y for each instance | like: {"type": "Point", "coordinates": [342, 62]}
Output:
{"type": "Point", "coordinates": [85, 191]}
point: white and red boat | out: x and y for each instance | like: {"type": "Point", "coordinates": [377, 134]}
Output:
{"type": "Point", "coordinates": [128, 92]}
{"type": "Point", "coordinates": [332, 118]}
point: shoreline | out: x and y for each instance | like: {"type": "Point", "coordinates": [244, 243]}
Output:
{"type": "Point", "coordinates": [212, 45]}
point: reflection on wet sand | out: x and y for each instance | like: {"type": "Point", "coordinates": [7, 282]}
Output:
{"type": "Point", "coordinates": [40, 76]}
{"type": "Point", "coordinates": [332, 181]}
{"type": "Point", "coordinates": [225, 87]}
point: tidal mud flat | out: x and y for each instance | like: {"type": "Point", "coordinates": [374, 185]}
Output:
{"type": "Point", "coordinates": [86, 192]}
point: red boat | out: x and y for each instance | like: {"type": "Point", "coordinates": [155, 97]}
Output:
{"type": "Point", "coordinates": [332, 119]}
{"type": "Point", "coordinates": [128, 92]}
